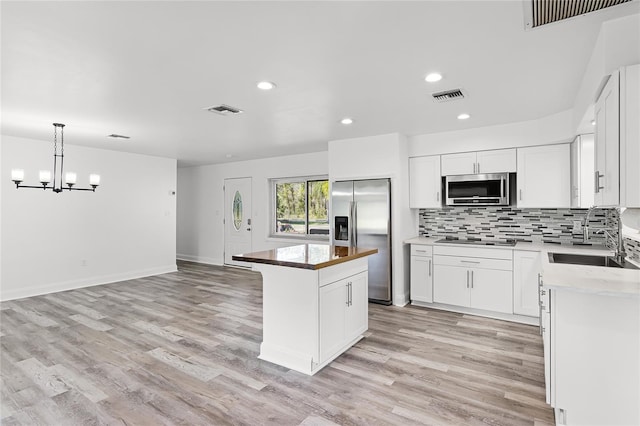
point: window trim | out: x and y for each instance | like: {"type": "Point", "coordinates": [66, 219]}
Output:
{"type": "Point", "coordinates": [272, 208]}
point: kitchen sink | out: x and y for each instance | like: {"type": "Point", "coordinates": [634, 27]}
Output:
{"type": "Point", "coordinates": [590, 260]}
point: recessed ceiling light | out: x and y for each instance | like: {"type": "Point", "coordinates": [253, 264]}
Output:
{"type": "Point", "coordinates": [463, 116]}
{"type": "Point", "coordinates": [593, 122]}
{"type": "Point", "coordinates": [433, 77]}
{"type": "Point", "coordinates": [266, 85]}
{"type": "Point", "coordinates": [229, 155]}
{"type": "Point", "coordinates": [346, 121]}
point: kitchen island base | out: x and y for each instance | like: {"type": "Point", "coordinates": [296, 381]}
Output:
{"type": "Point", "coordinates": [312, 313]}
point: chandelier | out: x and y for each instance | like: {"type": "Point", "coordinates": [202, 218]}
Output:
{"type": "Point", "coordinates": [70, 179]}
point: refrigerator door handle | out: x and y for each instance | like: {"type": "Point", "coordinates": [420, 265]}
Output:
{"type": "Point", "coordinates": [352, 223]}
{"type": "Point", "coordinates": [355, 225]}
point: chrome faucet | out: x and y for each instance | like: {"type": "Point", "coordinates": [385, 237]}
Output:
{"type": "Point", "coordinates": [616, 243]}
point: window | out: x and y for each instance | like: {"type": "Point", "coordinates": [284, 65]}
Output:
{"type": "Point", "coordinates": [300, 207]}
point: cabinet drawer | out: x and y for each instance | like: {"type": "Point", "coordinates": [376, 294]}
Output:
{"type": "Point", "coordinates": [421, 250]}
{"type": "Point", "coordinates": [473, 262]}
{"type": "Point", "coordinates": [489, 253]}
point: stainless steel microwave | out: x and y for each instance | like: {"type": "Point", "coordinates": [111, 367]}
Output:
{"type": "Point", "coordinates": [477, 190]}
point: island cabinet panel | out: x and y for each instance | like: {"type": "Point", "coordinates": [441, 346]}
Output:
{"type": "Point", "coordinates": [343, 314]}
{"type": "Point", "coordinates": [311, 316]}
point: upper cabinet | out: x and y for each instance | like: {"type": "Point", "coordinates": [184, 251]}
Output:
{"type": "Point", "coordinates": [425, 185]}
{"type": "Point", "coordinates": [582, 169]}
{"type": "Point", "coordinates": [607, 144]}
{"type": "Point", "coordinates": [494, 161]}
{"type": "Point", "coordinates": [544, 178]}
{"type": "Point", "coordinates": [617, 140]}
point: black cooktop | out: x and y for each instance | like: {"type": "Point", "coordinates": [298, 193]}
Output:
{"type": "Point", "coordinates": [507, 243]}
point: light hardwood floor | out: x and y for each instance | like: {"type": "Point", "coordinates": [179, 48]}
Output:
{"type": "Point", "coordinates": [182, 348]}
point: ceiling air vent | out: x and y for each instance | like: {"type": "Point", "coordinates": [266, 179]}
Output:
{"type": "Point", "coordinates": [542, 12]}
{"type": "Point", "coordinates": [224, 110]}
{"type": "Point", "coordinates": [448, 95]}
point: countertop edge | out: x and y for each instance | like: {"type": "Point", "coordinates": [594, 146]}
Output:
{"type": "Point", "coordinates": [308, 266]}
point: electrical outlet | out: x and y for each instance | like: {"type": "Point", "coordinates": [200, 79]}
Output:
{"type": "Point", "coordinates": [577, 226]}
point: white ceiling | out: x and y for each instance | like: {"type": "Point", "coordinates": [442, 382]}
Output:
{"type": "Point", "coordinates": [148, 70]}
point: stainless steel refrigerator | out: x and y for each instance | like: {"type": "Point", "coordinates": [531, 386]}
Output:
{"type": "Point", "coordinates": [361, 217]}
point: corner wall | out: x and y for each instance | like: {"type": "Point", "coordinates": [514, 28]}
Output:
{"type": "Point", "coordinates": [54, 242]}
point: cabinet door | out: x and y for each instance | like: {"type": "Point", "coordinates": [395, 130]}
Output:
{"type": "Point", "coordinates": [526, 267]}
{"type": "Point", "coordinates": [451, 285]}
{"type": "Point", "coordinates": [575, 172]}
{"type": "Point", "coordinates": [546, 341]}
{"type": "Point", "coordinates": [421, 279]}
{"type": "Point", "coordinates": [544, 178]}
{"type": "Point", "coordinates": [357, 320]}
{"type": "Point", "coordinates": [425, 183]}
{"type": "Point", "coordinates": [333, 303]}
{"type": "Point", "coordinates": [607, 116]}
{"type": "Point", "coordinates": [459, 164]}
{"type": "Point", "coordinates": [491, 290]}
{"type": "Point", "coordinates": [496, 161]}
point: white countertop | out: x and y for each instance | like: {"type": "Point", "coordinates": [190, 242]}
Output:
{"type": "Point", "coordinates": [583, 278]}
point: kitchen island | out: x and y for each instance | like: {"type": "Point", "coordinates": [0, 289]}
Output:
{"type": "Point", "coordinates": [314, 302]}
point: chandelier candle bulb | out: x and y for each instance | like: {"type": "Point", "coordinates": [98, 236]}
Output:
{"type": "Point", "coordinates": [71, 178]}
{"type": "Point", "coordinates": [17, 175]}
{"type": "Point", "coordinates": [94, 180]}
{"type": "Point", "coordinates": [45, 177]}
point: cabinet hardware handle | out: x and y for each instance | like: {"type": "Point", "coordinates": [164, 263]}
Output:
{"type": "Point", "coordinates": [438, 196]}
{"type": "Point", "coordinates": [348, 284]}
{"type": "Point", "coordinates": [474, 167]}
{"type": "Point", "coordinates": [478, 167]}
{"type": "Point", "coordinates": [467, 278]}
{"type": "Point", "coordinates": [539, 281]}
{"type": "Point", "coordinates": [468, 261]}
{"type": "Point", "coordinates": [421, 251]}
{"type": "Point", "coordinates": [429, 267]}
{"type": "Point", "coordinates": [598, 175]}
{"type": "Point", "coordinates": [521, 195]}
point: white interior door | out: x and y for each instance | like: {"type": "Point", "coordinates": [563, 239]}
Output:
{"type": "Point", "coordinates": [237, 219]}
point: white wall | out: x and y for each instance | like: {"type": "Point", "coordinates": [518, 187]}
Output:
{"type": "Point", "coordinates": [53, 242]}
{"type": "Point", "coordinates": [618, 45]}
{"type": "Point", "coordinates": [382, 156]}
{"type": "Point", "coordinates": [201, 202]}
{"type": "Point", "coordinates": [556, 128]}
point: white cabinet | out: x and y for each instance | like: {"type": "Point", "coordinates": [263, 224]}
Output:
{"type": "Point", "coordinates": [582, 171]}
{"type": "Point", "coordinates": [617, 151]}
{"type": "Point", "coordinates": [494, 161]}
{"type": "Point", "coordinates": [594, 351]}
{"type": "Point", "coordinates": [343, 314]}
{"type": "Point", "coordinates": [526, 275]}
{"type": "Point", "coordinates": [463, 163]}
{"type": "Point", "coordinates": [477, 278]}
{"type": "Point", "coordinates": [425, 183]}
{"type": "Point", "coordinates": [607, 162]}
{"type": "Point", "coordinates": [544, 178]}
{"type": "Point", "coordinates": [421, 273]}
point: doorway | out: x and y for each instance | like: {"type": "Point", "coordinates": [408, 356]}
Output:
{"type": "Point", "coordinates": [237, 219]}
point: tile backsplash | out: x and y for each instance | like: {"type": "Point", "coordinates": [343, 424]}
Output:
{"type": "Point", "coordinates": [508, 223]}
{"type": "Point", "coordinates": [633, 249]}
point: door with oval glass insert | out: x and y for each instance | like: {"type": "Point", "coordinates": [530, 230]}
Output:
{"type": "Point", "coordinates": [237, 219]}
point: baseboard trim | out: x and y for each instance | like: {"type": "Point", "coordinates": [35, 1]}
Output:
{"type": "Point", "coordinates": [85, 282]}
{"type": "Point", "coordinates": [200, 259]}
{"type": "Point", "coordinates": [522, 319]}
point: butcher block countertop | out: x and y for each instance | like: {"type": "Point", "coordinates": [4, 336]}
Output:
{"type": "Point", "coordinates": [306, 256]}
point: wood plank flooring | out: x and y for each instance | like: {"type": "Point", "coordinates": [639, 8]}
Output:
{"type": "Point", "coordinates": [182, 348]}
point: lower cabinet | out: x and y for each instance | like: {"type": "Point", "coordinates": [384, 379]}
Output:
{"type": "Point", "coordinates": [478, 278]}
{"type": "Point", "coordinates": [343, 314]}
{"type": "Point", "coordinates": [421, 273]}
{"type": "Point", "coordinates": [477, 288]}
{"type": "Point", "coordinates": [526, 275]}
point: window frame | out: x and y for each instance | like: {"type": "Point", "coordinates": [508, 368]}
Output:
{"type": "Point", "coordinates": [273, 210]}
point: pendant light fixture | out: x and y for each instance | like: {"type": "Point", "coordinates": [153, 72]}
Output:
{"type": "Point", "coordinates": [17, 175]}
